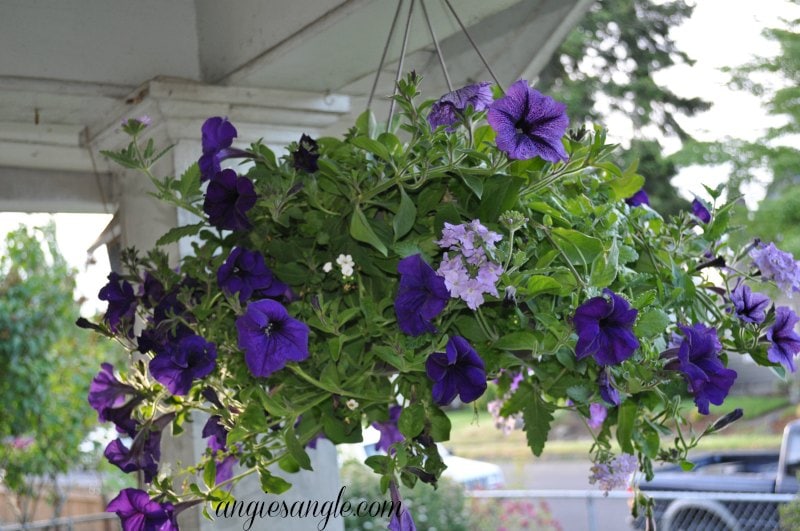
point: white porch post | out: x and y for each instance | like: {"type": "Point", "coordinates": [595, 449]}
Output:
{"type": "Point", "coordinates": [177, 111]}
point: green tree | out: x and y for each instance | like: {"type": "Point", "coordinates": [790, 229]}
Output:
{"type": "Point", "coordinates": [46, 363]}
{"type": "Point", "coordinates": [777, 80]}
{"type": "Point", "coordinates": [612, 56]}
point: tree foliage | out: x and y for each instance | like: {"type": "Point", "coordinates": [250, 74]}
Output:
{"type": "Point", "coordinates": [611, 57]}
{"type": "Point", "coordinates": [46, 363]}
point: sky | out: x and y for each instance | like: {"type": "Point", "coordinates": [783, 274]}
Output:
{"type": "Point", "coordinates": [720, 33]}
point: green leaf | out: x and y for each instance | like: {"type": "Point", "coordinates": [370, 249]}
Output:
{"type": "Point", "coordinates": [538, 415]}
{"type": "Point", "coordinates": [273, 484]}
{"type": "Point", "coordinates": [687, 466]}
{"type": "Point", "coordinates": [210, 473]}
{"type": "Point", "coordinates": [651, 323]}
{"type": "Point", "coordinates": [412, 421]}
{"type": "Point", "coordinates": [175, 234]}
{"type": "Point", "coordinates": [523, 340]}
{"type": "Point", "coordinates": [539, 284]}
{"type": "Point", "coordinates": [500, 193]}
{"type": "Point", "coordinates": [406, 216]}
{"type": "Point", "coordinates": [366, 124]}
{"type": "Point", "coordinates": [604, 267]}
{"type": "Point", "coordinates": [296, 450]}
{"type": "Point", "coordinates": [626, 417]}
{"type": "Point", "coordinates": [372, 146]}
{"type": "Point", "coordinates": [361, 231]}
{"type": "Point", "coordinates": [440, 424]}
{"type": "Point", "coordinates": [626, 185]}
{"type": "Point", "coordinates": [578, 247]}
{"type": "Point", "coordinates": [253, 418]}
{"type": "Point", "coordinates": [474, 183]}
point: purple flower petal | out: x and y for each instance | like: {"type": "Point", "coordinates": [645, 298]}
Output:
{"type": "Point", "coordinates": [750, 307]}
{"type": "Point", "coordinates": [459, 371]}
{"type": "Point", "coordinates": [700, 211]}
{"type": "Point", "coordinates": [785, 341]}
{"type": "Point", "coordinates": [270, 338]}
{"type": "Point", "coordinates": [228, 198]}
{"type": "Point", "coordinates": [448, 110]}
{"type": "Point", "coordinates": [605, 329]}
{"type": "Point", "coordinates": [698, 358]}
{"type": "Point", "coordinates": [138, 512]}
{"type": "Point", "coordinates": [421, 296]}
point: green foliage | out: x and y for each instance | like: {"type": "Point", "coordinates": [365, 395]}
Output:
{"type": "Point", "coordinates": [444, 507]}
{"type": "Point", "coordinates": [566, 235]}
{"type": "Point", "coordinates": [46, 362]}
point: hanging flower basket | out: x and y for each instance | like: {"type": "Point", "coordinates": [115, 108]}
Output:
{"type": "Point", "coordinates": [374, 279]}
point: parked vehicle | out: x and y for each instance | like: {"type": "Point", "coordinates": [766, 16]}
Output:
{"type": "Point", "coordinates": [472, 474]}
{"type": "Point", "coordinates": [754, 473]}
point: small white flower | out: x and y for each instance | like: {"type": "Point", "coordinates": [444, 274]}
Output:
{"type": "Point", "coordinates": [327, 267]}
{"type": "Point", "coordinates": [346, 264]}
{"type": "Point", "coordinates": [352, 404]}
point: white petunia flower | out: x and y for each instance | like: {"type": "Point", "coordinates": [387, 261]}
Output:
{"type": "Point", "coordinates": [352, 404]}
{"type": "Point", "coordinates": [327, 267]}
{"type": "Point", "coordinates": [346, 264]}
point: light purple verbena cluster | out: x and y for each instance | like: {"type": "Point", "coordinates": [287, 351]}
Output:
{"type": "Point", "coordinates": [467, 270]}
{"type": "Point", "coordinates": [778, 266]}
{"type": "Point", "coordinates": [615, 474]}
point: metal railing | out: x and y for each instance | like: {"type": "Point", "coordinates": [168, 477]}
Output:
{"type": "Point", "coordinates": [690, 509]}
{"type": "Point", "coordinates": [65, 523]}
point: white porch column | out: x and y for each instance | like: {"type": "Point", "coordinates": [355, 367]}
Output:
{"type": "Point", "coordinates": [177, 111]}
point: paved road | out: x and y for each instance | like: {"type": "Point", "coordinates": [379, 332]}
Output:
{"type": "Point", "coordinates": [573, 515]}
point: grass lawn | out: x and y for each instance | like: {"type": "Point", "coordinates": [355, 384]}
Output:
{"type": "Point", "coordinates": [475, 437]}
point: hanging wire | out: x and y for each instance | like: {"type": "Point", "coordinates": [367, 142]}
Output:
{"type": "Point", "coordinates": [474, 45]}
{"type": "Point", "coordinates": [400, 64]}
{"type": "Point", "coordinates": [436, 45]}
{"type": "Point", "coordinates": [383, 55]}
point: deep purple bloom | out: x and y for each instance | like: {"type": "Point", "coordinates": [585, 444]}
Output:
{"type": "Point", "coordinates": [139, 513]}
{"type": "Point", "coordinates": [217, 136]}
{"type": "Point", "coordinates": [422, 295]}
{"type": "Point", "coordinates": [106, 392]}
{"type": "Point", "coordinates": [400, 521]}
{"type": "Point", "coordinates": [639, 198]}
{"type": "Point", "coordinates": [390, 433]}
{"type": "Point", "coordinates": [457, 371]}
{"type": "Point", "coordinates": [225, 470]}
{"type": "Point", "coordinates": [597, 415]}
{"type": "Point", "coordinates": [178, 367]}
{"type": "Point", "coordinates": [144, 454]}
{"type": "Point", "coordinates": [700, 211]}
{"type": "Point", "coordinates": [122, 418]}
{"type": "Point", "coordinates": [698, 358]}
{"type": "Point", "coordinates": [778, 266]}
{"type": "Point", "coordinates": [270, 337]}
{"type": "Point", "coordinates": [448, 110]}
{"type": "Point", "coordinates": [228, 198]}
{"type": "Point", "coordinates": [608, 392]}
{"type": "Point", "coordinates": [605, 329]}
{"type": "Point", "coordinates": [529, 124]}
{"type": "Point", "coordinates": [121, 301]}
{"type": "Point", "coordinates": [151, 291]}
{"type": "Point", "coordinates": [750, 307]}
{"type": "Point", "coordinates": [306, 156]}
{"type": "Point", "coordinates": [785, 341]}
{"type": "Point", "coordinates": [247, 273]}
{"type": "Point", "coordinates": [214, 429]}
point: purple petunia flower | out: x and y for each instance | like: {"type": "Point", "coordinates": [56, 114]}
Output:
{"type": "Point", "coordinates": [214, 429]}
{"type": "Point", "coordinates": [615, 474]}
{"type": "Point", "coordinates": [122, 417]}
{"type": "Point", "coordinates": [638, 199]}
{"type": "Point", "coordinates": [448, 110]}
{"type": "Point", "coordinates": [143, 455]}
{"type": "Point", "coordinates": [390, 433]}
{"type": "Point", "coordinates": [421, 296]}
{"type": "Point", "coordinates": [106, 392]}
{"type": "Point", "coordinates": [228, 198]}
{"type": "Point", "coordinates": [605, 329]}
{"type": "Point", "coordinates": [529, 124]}
{"type": "Point", "coordinates": [138, 512]}
{"type": "Point", "coordinates": [225, 470]}
{"type": "Point", "coordinates": [698, 359]}
{"type": "Point", "coordinates": [749, 307]}
{"type": "Point", "coordinates": [785, 341]}
{"type": "Point", "coordinates": [247, 273]}
{"type": "Point", "coordinates": [608, 392]}
{"type": "Point", "coordinates": [400, 521]}
{"type": "Point", "coordinates": [270, 338]}
{"type": "Point", "coordinates": [778, 266]}
{"type": "Point", "coordinates": [151, 290]}
{"type": "Point", "coordinates": [178, 367]}
{"type": "Point", "coordinates": [597, 415]}
{"type": "Point", "coordinates": [700, 211]}
{"type": "Point", "coordinates": [306, 156]}
{"type": "Point", "coordinates": [217, 136]}
{"type": "Point", "coordinates": [121, 302]}
{"type": "Point", "coordinates": [457, 371]}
